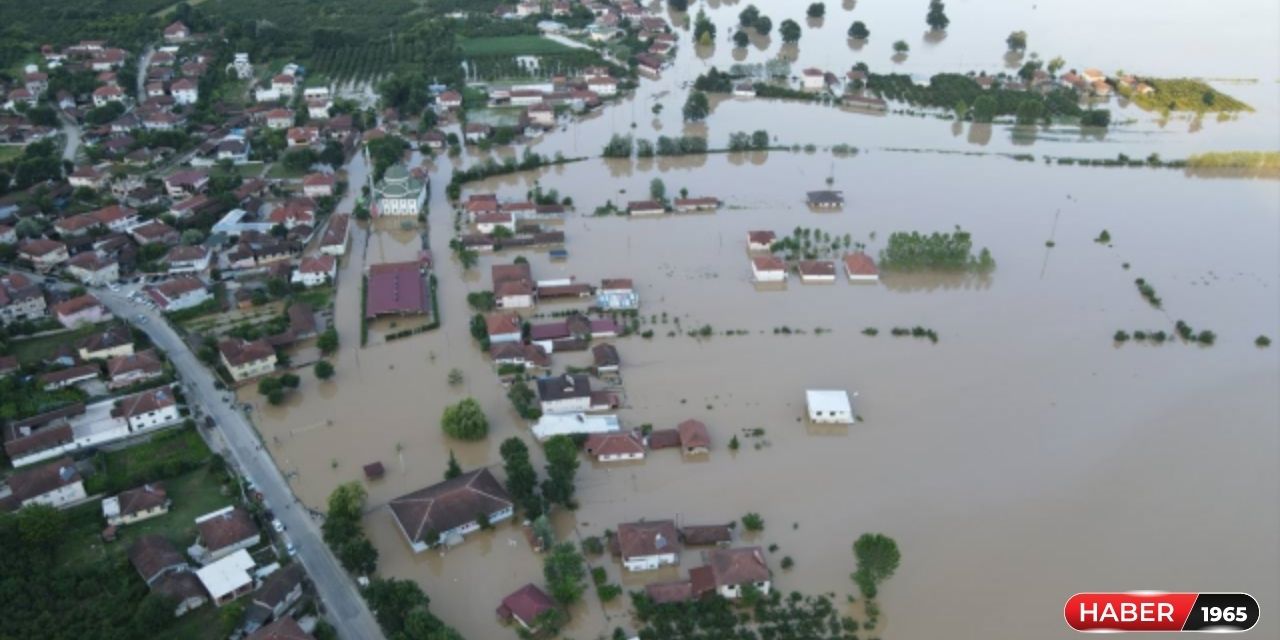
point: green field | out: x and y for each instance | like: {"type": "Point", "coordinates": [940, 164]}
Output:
{"type": "Point", "coordinates": [193, 494]}
{"type": "Point", "coordinates": [165, 455]}
{"type": "Point", "coordinates": [9, 152]}
{"type": "Point", "coordinates": [510, 46]}
{"type": "Point", "coordinates": [35, 349]}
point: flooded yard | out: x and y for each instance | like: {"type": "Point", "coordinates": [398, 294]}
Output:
{"type": "Point", "coordinates": [1023, 457]}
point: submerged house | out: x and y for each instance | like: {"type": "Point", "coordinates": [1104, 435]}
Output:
{"type": "Point", "coordinates": [647, 546]}
{"type": "Point", "coordinates": [446, 512]}
{"type": "Point", "coordinates": [825, 199]}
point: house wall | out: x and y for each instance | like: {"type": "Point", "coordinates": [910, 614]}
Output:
{"type": "Point", "coordinates": [733, 592]}
{"type": "Point", "coordinates": [499, 338]}
{"type": "Point", "coordinates": [139, 516]}
{"type": "Point", "coordinates": [157, 418]}
{"type": "Point", "coordinates": [132, 378]}
{"type": "Point", "coordinates": [818, 278]}
{"type": "Point", "coordinates": [91, 315]}
{"type": "Point", "coordinates": [567, 405]}
{"type": "Point", "coordinates": [768, 276]}
{"type": "Point", "coordinates": [649, 563]}
{"type": "Point", "coordinates": [251, 369]}
{"type": "Point", "coordinates": [616, 457]}
{"type": "Point", "coordinates": [105, 275]}
{"type": "Point", "coordinates": [311, 279]}
{"type": "Point", "coordinates": [60, 497]}
{"type": "Point", "coordinates": [515, 302]}
{"type": "Point", "coordinates": [231, 597]}
{"type": "Point", "coordinates": [402, 206]}
{"type": "Point", "coordinates": [30, 309]}
{"type": "Point", "coordinates": [187, 605]}
{"type": "Point", "coordinates": [212, 556]}
{"type": "Point", "coordinates": [188, 300]}
{"type": "Point", "coordinates": [119, 350]}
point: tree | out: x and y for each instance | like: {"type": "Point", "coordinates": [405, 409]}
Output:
{"type": "Point", "coordinates": [41, 526]}
{"type": "Point", "coordinates": [1030, 111]}
{"type": "Point", "coordinates": [704, 31]}
{"type": "Point", "coordinates": [759, 140]}
{"type": "Point", "coordinates": [565, 570]}
{"type": "Point", "coordinates": [324, 370]}
{"type": "Point", "coordinates": [858, 30]}
{"type": "Point", "coordinates": [299, 160]}
{"type": "Point", "coordinates": [455, 377]}
{"type": "Point", "coordinates": [154, 615]}
{"type": "Point", "coordinates": [790, 31]}
{"type": "Point", "coordinates": [1017, 41]}
{"type": "Point", "coordinates": [562, 465]}
{"type": "Point", "coordinates": [878, 558]}
{"type": "Point", "coordinates": [1028, 70]}
{"type": "Point", "coordinates": [748, 17]}
{"type": "Point", "coordinates": [696, 107]}
{"type": "Point", "coordinates": [678, 5]}
{"type": "Point", "coordinates": [816, 10]}
{"type": "Point", "coordinates": [657, 189]}
{"type": "Point", "coordinates": [230, 617]}
{"type": "Point", "coordinates": [901, 47]}
{"type": "Point", "coordinates": [1096, 118]}
{"type": "Point", "coordinates": [358, 556]}
{"type": "Point", "coordinates": [937, 17]}
{"type": "Point", "coordinates": [984, 109]}
{"type": "Point", "coordinates": [333, 155]}
{"type": "Point", "coordinates": [465, 421]}
{"type": "Point", "coordinates": [753, 522]}
{"type": "Point", "coordinates": [1056, 65]}
{"type": "Point", "coordinates": [454, 470]}
{"type": "Point", "coordinates": [328, 341]}
{"type": "Point", "coordinates": [740, 39]}
{"type": "Point", "coordinates": [764, 25]}
{"type": "Point", "coordinates": [392, 600]}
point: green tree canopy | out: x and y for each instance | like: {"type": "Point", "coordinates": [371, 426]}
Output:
{"type": "Point", "coordinates": [465, 421]}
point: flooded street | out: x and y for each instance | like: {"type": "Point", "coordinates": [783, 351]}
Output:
{"type": "Point", "coordinates": [1024, 457]}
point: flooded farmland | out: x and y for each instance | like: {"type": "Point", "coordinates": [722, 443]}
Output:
{"type": "Point", "coordinates": [1023, 457]}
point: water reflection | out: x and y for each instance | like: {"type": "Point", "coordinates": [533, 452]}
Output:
{"type": "Point", "coordinates": [980, 133]}
{"type": "Point", "coordinates": [932, 37]}
{"type": "Point", "coordinates": [926, 282]}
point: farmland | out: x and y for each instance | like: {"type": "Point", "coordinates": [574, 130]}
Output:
{"type": "Point", "coordinates": [510, 45]}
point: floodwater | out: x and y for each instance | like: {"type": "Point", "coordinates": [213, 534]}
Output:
{"type": "Point", "coordinates": [1022, 458]}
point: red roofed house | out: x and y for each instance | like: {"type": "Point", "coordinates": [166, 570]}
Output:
{"type": "Point", "coordinates": [93, 269]}
{"type": "Point", "coordinates": [87, 177]}
{"type": "Point", "coordinates": [57, 484]}
{"type": "Point", "coordinates": [503, 327]}
{"type": "Point", "coordinates": [760, 240]}
{"type": "Point", "coordinates": [315, 271]}
{"type": "Point", "coordinates": [224, 532]}
{"type": "Point", "coordinates": [694, 439]}
{"type": "Point", "coordinates": [513, 286]}
{"type": "Point", "coordinates": [294, 213]}
{"type": "Point", "coordinates": [525, 606]}
{"type": "Point", "coordinates": [318, 185]}
{"type": "Point", "coordinates": [105, 95]}
{"type": "Point", "coordinates": [768, 269]}
{"type": "Point", "coordinates": [179, 293]}
{"type": "Point", "coordinates": [450, 99]}
{"type": "Point", "coordinates": [136, 505]}
{"type": "Point", "coordinates": [285, 628]}
{"type": "Point", "coordinates": [334, 242]}
{"type": "Point", "coordinates": [43, 254]}
{"type": "Point", "coordinates": [861, 268]}
{"type": "Point", "coordinates": [445, 512]}
{"type": "Point", "coordinates": [817, 271]}
{"type": "Point", "coordinates": [728, 570]}
{"type": "Point", "coordinates": [148, 409]}
{"type": "Point", "coordinates": [187, 259]}
{"type": "Point", "coordinates": [279, 119]}
{"type": "Point", "coordinates": [648, 545]}
{"type": "Point", "coordinates": [176, 32]}
{"type": "Point", "coordinates": [244, 359]}
{"type": "Point", "coordinates": [614, 447]}
{"type": "Point", "coordinates": [80, 310]}
{"type": "Point", "coordinates": [397, 288]}
{"type": "Point", "coordinates": [128, 370]}
{"type": "Point", "coordinates": [688, 205]}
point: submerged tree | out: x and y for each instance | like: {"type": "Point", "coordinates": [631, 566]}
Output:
{"type": "Point", "coordinates": [878, 558]}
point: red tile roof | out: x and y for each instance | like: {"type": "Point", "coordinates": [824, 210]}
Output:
{"type": "Point", "coordinates": [396, 288]}
{"type": "Point", "coordinates": [860, 264]}
{"type": "Point", "coordinates": [526, 604]}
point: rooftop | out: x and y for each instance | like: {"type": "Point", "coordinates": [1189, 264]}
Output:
{"type": "Point", "coordinates": [396, 288]}
{"type": "Point", "coordinates": [447, 505]}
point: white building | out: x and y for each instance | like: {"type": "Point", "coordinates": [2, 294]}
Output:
{"type": "Point", "coordinates": [400, 193]}
{"type": "Point", "coordinates": [185, 91]}
{"type": "Point", "coordinates": [568, 393]}
{"type": "Point", "coordinates": [316, 271]}
{"type": "Point", "coordinates": [148, 410]}
{"type": "Point", "coordinates": [768, 269]}
{"type": "Point", "coordinates": [568, 424]}
{"type": "Point", "coordinates": [228, 578]}
{"type": "Point", "coordinates": [829, 406]}
{"type": "Point", "coordinates": [813, 79]}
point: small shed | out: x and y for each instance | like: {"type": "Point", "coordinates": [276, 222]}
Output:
{"type": "Point", "coordinates": [694, 439]}
{"type": "Point", "coordinates": [374, 471]}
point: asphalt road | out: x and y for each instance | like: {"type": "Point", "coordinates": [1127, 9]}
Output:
{"type": "Point", "coordinates": [346, 609]}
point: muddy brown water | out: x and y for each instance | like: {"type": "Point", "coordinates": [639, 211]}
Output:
{"type": "Point", "coordinates": [1022, 458]}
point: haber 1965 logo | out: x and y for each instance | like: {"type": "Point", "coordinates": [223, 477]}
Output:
{"type": "Point", "coordinates": [1120, 612]}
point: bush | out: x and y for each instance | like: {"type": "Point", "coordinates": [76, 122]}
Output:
{"type": "Point", "coordinates": [753, 522]}
{"type": "Point", "coordinates": [465, 421]}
